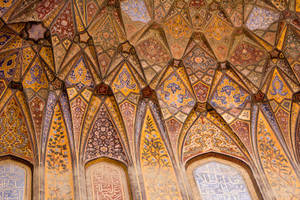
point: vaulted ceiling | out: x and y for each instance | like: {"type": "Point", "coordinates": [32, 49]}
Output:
{"type": "Point", "coordinates": [82, 67]}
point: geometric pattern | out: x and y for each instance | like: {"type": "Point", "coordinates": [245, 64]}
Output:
{"type": "Point", "coordinates": [200, 67]}
{"type": "Point", "coordinates": [233, 102]}
{"type": "Point", "coordinates": [174, 96]}
{"type": "Point", "coordinates": [280, 94]}
{"type": "Point", "coordinates": [249, 60]}
{"type": "Point", "coordinates": [176, 99]}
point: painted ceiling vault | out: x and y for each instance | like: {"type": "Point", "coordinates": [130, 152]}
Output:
{"type": "Point", "coordinates": [150, 84]}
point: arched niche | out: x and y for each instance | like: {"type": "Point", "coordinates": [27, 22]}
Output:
{"type": "Point", "coordinates": [15, 178]}
{"type": "Point", "coordinates": [107, 179]}
{"type": "Point", "coordinates": [215, 176]}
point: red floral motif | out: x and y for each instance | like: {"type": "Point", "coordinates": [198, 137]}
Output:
{"type": "Point", "coordinates": [64, 24]}
{"type": "Point", "coordinates": [103, 139]}
{"type": "Point", "coordinates": [283, 121]}
{"type": "Point", "coordinates": [197, 3]}
{"type": "Point", "coordinates": [242, 129]}
{"type": "Point", "coordinates": [78, 108]}
{"type": "Point", "coordinates": [153, 51]}
{"type": "Point", "coordinates": [91, 10]}
{"type": "Point", "coordinates": [201, 91]}
{"type": "Point", "coordinates": [128, 112]}
{"type": "Point", "coordinates": [246, 54]}
{"type": "Point", "coordinates": [45, 7]}
{"type": "Point", "coordinates": [174, 128]}
{"type": "Point", "coordinates": [37, 107]}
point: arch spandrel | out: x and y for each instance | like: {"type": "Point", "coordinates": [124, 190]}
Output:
{"type": "Point", "coordinates": [202, 133]}
{"type": "Point", "coordinates": [59, 182]}
{"type": "Point", "coordinates": [36, 84]}
{"type": "Point", "coordinates": [273, 159]}
{"type": "Point", "coordinates": [81, 79]}
{"type": "Point", "coordinates": [159, 178]}
{"type": "Point", "coordinates": [175, 97]}
{"type": "Point", "coordinates": [279, 91]}
{"type": "Point", "coordinates": [231, 97]}
{"type": "Point", "coordinates": [17, 133]}
{"type": "Point", "coordinates": [127, 83]}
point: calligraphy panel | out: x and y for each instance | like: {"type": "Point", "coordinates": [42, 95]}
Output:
{"type": "Point", "coordinates": [106, 180]}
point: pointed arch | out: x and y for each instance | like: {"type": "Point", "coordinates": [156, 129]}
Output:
{"type": "Point", "coordinates": [204, 174]}
{"type": "Point", "coordinates": [16, 176]}
{"type": "Point", "coordinates": [107, 179]}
